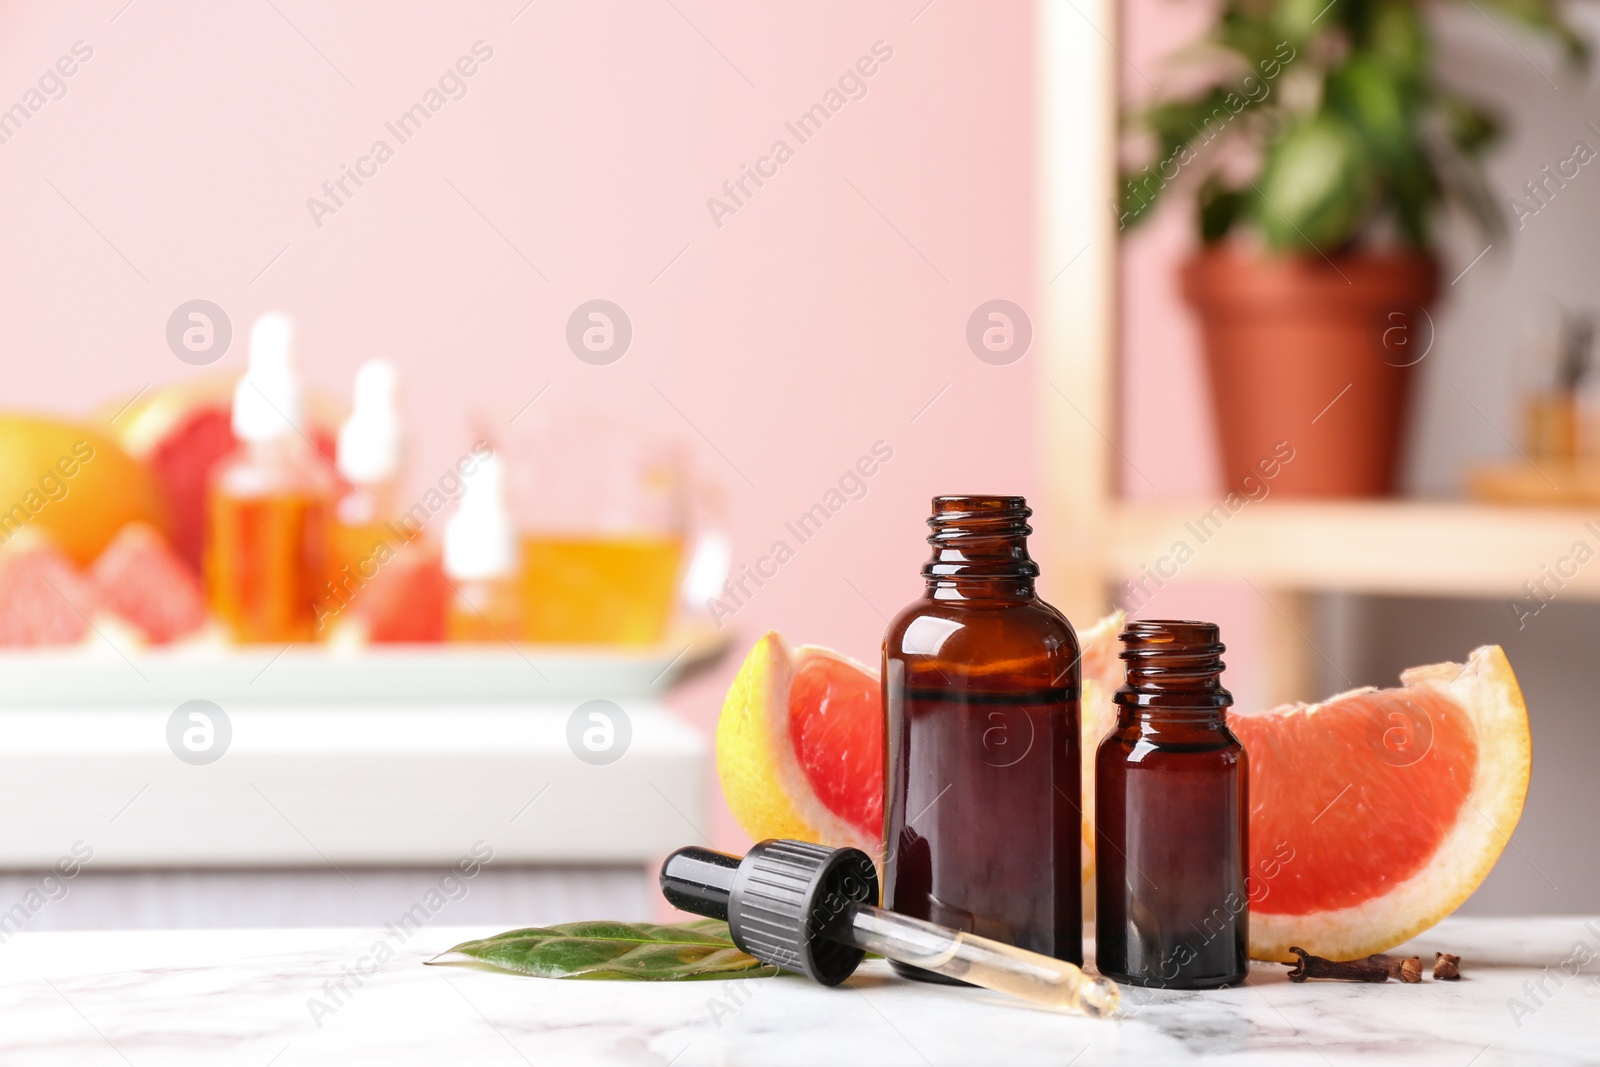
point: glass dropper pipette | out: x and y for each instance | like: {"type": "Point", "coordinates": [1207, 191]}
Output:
{"type": "Point", "coordinates": [804, 907]}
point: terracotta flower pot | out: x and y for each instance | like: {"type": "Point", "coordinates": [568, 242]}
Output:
{"type": "Point", "coordinates": [1316, 354]}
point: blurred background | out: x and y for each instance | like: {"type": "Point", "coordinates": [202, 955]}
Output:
{"type": "Point", "coordinates": [580, 250]}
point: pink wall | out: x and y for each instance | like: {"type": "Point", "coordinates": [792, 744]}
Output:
{"type": "Point", "coordinates": [1167, 428]}
{"type": "Point", "coordinates": [1166, 417]}
{"type": "Point", "coordinates": [821, 317]}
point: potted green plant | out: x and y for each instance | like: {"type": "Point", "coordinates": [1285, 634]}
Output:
{"type": "Point", "coordinates": [1320, 150]}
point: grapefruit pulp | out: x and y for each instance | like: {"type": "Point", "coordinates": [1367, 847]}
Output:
{"type": "Point", "coordinates": [1376, 813]}
{"type": "Point", "coordinates": [43, 598]}
{"type": "Point", "coordinates": [142, 581]}
{"type": "Point", "coordinates": [404, 599]}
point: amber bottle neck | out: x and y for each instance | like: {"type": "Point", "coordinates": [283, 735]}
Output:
{"type": "Point", "coordinates": [1173, 668]}
{"type": "Point", "coordinates": [980, 549]}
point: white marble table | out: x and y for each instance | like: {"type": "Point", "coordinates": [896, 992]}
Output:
{"type": "Point", "coordinates": [221, 997]}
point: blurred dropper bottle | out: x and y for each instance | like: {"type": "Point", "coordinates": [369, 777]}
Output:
{"type": "Point", "coordinates": [369, 459]}
{"type": "Point", "coordinates": [380, 567]}
{"type": "Point", "coordinates": [480, 561]}
{"type": "Point", "coordinates": [270, 502]}
{"type": "Point", "coordinates": [370, 449]}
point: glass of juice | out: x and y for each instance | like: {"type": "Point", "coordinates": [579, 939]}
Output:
{"type": "Point", "coordinates": [605, 512]}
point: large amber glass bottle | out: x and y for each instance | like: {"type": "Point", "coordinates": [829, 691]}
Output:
{"type": "Point", "coordinates": [980, 683]}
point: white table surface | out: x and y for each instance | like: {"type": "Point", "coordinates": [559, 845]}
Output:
{"type": "Point", "coordinates": [242, 997]}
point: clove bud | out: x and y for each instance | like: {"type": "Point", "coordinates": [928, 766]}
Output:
{"type": "Point", "coordinates": [1446, 968]}
{"type": "Point", "coordinates": [1375, 968]}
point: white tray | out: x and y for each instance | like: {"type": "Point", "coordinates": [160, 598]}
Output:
{"type": "Point", "coordinates": [98, 673]}
{"type": "Point", "coordinates": [325, 785]}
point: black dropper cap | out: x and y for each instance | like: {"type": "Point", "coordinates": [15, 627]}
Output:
{"type": "Point", "coordinates": [782, 900]}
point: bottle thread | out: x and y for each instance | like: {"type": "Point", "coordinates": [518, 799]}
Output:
{"type": "Point", "coordinates": [1175, 665]}
{"type": "Point", "coordinates": [980, 547]}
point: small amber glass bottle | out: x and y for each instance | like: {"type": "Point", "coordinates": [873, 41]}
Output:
{"type": "Point", "coordinates": [980, 685]}
{"type": "Point", "coordinates": [1172, 818]}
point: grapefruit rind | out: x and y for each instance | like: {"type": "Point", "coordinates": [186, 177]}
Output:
{"type": "Point", "coordinates": [1102, 677]}
{"type": "Point", "coordinates": [1486, 689]}
{"type": "Point", "coordinates": [145, 422]}
{"type": "Point", "coordinates": [763, 783]}
{"type": "Point", "coordinates": [1101, 647]}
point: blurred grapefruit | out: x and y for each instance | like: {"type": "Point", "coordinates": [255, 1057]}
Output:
{"type": "Point", "coordinates": [71, 483]}
{"type": "Point", "coordinates": [43, 598]}
{"type": "Point", "coordinates": [404, 599]}
{"type": "Point", "coordinates": [141, 580]}
{"type": "Point", "coordinates": [1376, 813]}
{"type": "Point", "coordinates": [180, 431]}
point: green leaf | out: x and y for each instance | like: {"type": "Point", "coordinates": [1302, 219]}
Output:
{"type": "Point", "coordinates": [615, 950]}
{"type": "Point", "coordinates": [1219, 209]}
{"type": "Point", "coordinates": [1396, 38]}
{"type": "Point", "coordinates": [1186, 132]}
{"type": "Point", "coordinates": [1299, 20]}
{"type": "Point", "coordinates": [1472, 128]}
{"type": "Point", "coordinates": [1317, 189]}
{"type": "Point", "coordinates": [1414, 189]}
{"type": "Point", "coordinates": [1252, 40]}
{"type": "Point", "coordinates": [1367, 94]}
{"type": "Point", "coordinates": [1179, 122]}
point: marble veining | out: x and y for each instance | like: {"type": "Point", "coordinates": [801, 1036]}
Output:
{"type": "Point", "coordinates": [1530, 994]}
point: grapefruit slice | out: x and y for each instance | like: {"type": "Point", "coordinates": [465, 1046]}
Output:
{"type": "Point", "coordinates": [406, 604]}
{"type": "Point", "coordinates": [43, 598]}
{"type": "Point", "coordinates": [180, 431]}
{"type": "Point", "coordinates": [404, 599]}
{"type": "Point", "coordinates": [800, 740]}
{"type": "Point", "coordinates": [1099, 646]}
{"type": "Point", "coordinates": [800, 746]}
{"type": "Point", "coordinates": [1374, 814]}
{"type": "Point", "coordinates": [142, 581]}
